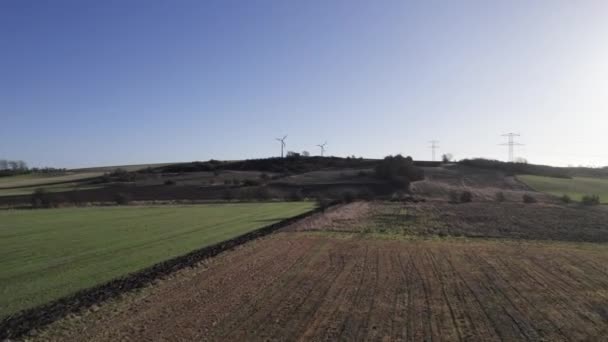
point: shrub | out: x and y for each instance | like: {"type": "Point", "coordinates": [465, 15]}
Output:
{"type": "Point", "coordinates": [527, 198]}
{"type": "Point", "coordinates": [347, 197]}
{"type": "Point", "coordinates": [453, 196]}
{"type": "Point", "coordinates": [169, 182]}
{"type": "Point", "coordinates": [466, 197]}
{"type": "Point", "coordinates": [228, 195]}
{"type": "Point", "coordinates": [122, 175]}
{"type": "Point", "coordinates": [264, 176]}
{"type": "Point", "coordinates": [251, 182]}
{"type": "Point", "coordinates": [41, 199]}
{"type": "Point", "coordinates": [591, 200]}
{"type": "Point", "coordinates": [399, 171]}
{"type": "Point", "coordinates": [365, 195]}
{"type": "Point", "coordinates": [122, 198]}
{"type": "Point", "coordinates": [323, 203]}
{"type": "Point", "coordinates": [236, 181]}
{"type": "Point", "coordinates": [500, 196]}
{"type": "Point", "coordinates": [566, 199]}
{"type": "Point", "coordinates": [262, 194]}
{"type": "Point", "coordinates": [296, 195]}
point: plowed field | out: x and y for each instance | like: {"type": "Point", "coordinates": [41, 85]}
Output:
{"type": "Point", "coordinates": [308, 284]}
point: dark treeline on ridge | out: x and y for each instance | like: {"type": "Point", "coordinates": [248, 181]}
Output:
{"type": "Point", "coordinates": [537, 170]}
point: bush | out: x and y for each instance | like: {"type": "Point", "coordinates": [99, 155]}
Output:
{"type": "Point", "coordinates": [122, 175]}
{"type": "Point", "coordinates": [169, 182]}
{"type": "Point", "coordinates": [366, 195]}
{"type": "Point", "coordinates": [347, 197]}
{"type": "Point", "coordinates": [41, 199]}
{"type": "Point", "coordinates": [566, 199]}
{"type": "Point", "coordinates": [251, 182]}
{"type": "Point", "coordinates": [323, 203]}
{"type": "Point", "coordinates": [236, 181]}
{"type": "Point", "coordinates": [228, 195]}
{"type": "Point", "coordinates": [466, 197]}
{"type": "Point", "coordinates": [500, 196]}
{"type": "Point", "coordinates": [262, 194]}
{"type": "Point", "coordinates": [453, 196]}
{"type": "Point", "coordinates": [591, 200]}
{"type": "Point", "coordinates": [528, 198]}
{"type": "Point", "coordinates": [264, 176]}
{"type": "Point", "coordinates": [399, 170]}
{"type": "Point", "coordinates": [122, 198]}
{"type": "Point", "coordinates": [296, 195]}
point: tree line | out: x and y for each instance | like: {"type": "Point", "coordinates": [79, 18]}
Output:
{"type": "Point", "coordinates": [18, 167]}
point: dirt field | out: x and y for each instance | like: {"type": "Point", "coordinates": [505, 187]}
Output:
{"type": "Point", "coordinates": [308, 284]}
{"type": "Point", "coordinates": [295, 286]}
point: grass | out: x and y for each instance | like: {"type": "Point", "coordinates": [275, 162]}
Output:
{"type": "Point", "coordinates": [63, 187]}
{"type": "Point", "coordinates": [576, 187]}
{"type": "Point", "coordinates": [39, 179]}
{"type": "Point", "coordinates": [48, 254]}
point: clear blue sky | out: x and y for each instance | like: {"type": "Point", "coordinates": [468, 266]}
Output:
{"type": "Point", "coordinates": [85, 83]}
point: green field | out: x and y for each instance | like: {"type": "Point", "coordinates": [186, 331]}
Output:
{"type": "Point", "coordinates": [575, 187]}
{"type": "Point", "coordinates": [39, 179]}
{"type": "Point", "coordinates": [47, 254]}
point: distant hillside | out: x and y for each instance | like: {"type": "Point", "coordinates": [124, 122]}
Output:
{"type": "Point", "coordinates": [538, 170]}
{"type": "Point", "coordinates": [293, 165]}
{"type": "Point", "coordinates": [274, 165]}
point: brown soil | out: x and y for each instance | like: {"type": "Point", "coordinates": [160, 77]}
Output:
{"type": "Point", "coordinates": [483, 184]}
{"type": "Point", "coordinates": [490, 220]}
{"type": "Point", "coordinates": [299, 285]}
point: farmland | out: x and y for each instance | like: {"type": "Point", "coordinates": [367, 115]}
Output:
{"type": "Point", "coordinates": [415, 267]}
{"type": "Point", "coordinates": [575, 187]}
{"type": "Point", "coordinates": [335, 283]}
{"type": "Point", "coordinates": [31, 180]}
{"type": "Point", "coordinates": [47, 254]}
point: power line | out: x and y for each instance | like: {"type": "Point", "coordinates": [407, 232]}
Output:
{"type": "Point", "coordinates": [511, 143]}
{"type": "Point", "coordinates": [434, 146]}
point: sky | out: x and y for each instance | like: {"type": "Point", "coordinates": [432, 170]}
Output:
{"type": "Point", "coordinates": [115, 82]}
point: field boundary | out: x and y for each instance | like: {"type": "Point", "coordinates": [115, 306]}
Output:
{"type": "Point", "coordinates": [19, 324]}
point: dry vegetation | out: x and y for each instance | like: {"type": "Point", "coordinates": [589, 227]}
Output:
{"type": "Point", "coordinates": [495, 268]}
{"type": "Point", "coordinates": [328, 277]}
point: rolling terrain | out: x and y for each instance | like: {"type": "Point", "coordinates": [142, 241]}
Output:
{"type": "Point", "coordinates": [575, 187]}
{"type": "Point", "coordinates": [387, 270]}
{"type": "Point", "coordinates": [314, 284]}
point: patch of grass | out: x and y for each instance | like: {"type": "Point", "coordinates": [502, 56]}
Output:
{"type": "Point", "coordinates": [575, 188]}
{"type": "Point", "coordinates": [38, 179]}
{"type": "Point", "coordinates": [50, 253]}
{"type": "Point", "coordinates": [63, 187]}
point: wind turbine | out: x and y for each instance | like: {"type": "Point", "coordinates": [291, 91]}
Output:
{"type": "Point", "coordinates": [282, 140]}
{"type": "Point", "coordinates": [322, 146]}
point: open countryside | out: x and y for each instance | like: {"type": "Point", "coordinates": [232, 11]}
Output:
{"type": "Point", "coordinates": [575, 187]}
{"type": "Point", "coordinates": [47, 254]}
{"type": "Point", "coordinates": [311, 170]}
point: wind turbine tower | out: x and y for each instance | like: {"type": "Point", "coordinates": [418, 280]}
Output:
{"type": "Point", "coordinates": [282, 140]}
{"type": "Point", "coordinates": [322, 146]}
